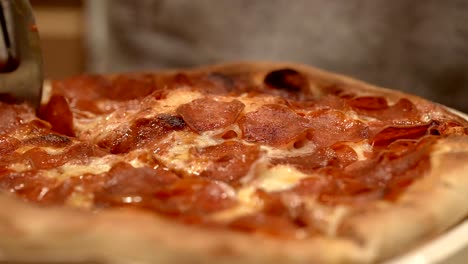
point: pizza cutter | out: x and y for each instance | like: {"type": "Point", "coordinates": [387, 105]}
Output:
{"type": "Point", "coordinates": [20, 53]}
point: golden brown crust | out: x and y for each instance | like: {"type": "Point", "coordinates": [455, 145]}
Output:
{"type": "Point", "coordinates": [428, 207]}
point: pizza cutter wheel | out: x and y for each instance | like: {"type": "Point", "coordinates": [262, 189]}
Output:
{"type": "Point", "coordinates": [20, 53]}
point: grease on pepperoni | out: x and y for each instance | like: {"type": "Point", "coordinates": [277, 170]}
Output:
{"type": "Point", "coordinates": [39, 159]}
{"type": "Point", "coordinates": [402, 113]}
{"type": "Point", "coordinates": [141, 132]}
{"type": "Point", "coordinates": [229, 161]}
{"type": "Point", "coordinates": [206, 114]}
{"type": "Point", "coordinates": [58, 113]}
{"type": "Point", "coordinates": [338, 155]}
{"type": "Point", "coordinates": [273, 124]}
{"type": "Point", "coordinates": [392, 133]}
{"type": "Point", "coordinates": [126, 185]}
{"type": "Point", "coordinates": [329, 126]}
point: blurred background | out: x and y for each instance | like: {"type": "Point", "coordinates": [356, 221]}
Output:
{"type": "Point", "coordinates": [415, 46]}
{"type": "Point", "coordinates": [62, 27]}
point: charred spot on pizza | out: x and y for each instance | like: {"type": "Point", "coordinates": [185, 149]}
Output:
{"type": "Point", "coordinates": [49, 140]}
{"type": "Point", "coordinates": [287, 79]}
{"type": "Point", "coordinates": [172, 121]}
{"type": "Point", "coordinates": [222, 80]}
{"type": "Point", "coordinates": [141, 132]}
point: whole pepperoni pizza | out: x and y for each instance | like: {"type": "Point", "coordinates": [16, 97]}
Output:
{"type": "Point", "coordinates": [234, 163]}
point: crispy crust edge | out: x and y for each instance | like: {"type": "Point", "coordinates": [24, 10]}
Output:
{"type": "Point", "coordinates": [434, 203]}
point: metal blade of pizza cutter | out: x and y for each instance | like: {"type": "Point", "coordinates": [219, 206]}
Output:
{"type": "Point", "coordinates": [20, 53]}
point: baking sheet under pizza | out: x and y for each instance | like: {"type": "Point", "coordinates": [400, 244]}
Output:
{"type": "Point", "coordinates": [451, 248]}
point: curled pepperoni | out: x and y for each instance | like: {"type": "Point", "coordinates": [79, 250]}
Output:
{"type": "Point", "coordinates": [57, 111]}
{"type": "Point", "coordinates": [288, 83]}
{"type": "Point", "coordinates": [208, 114]}
{"type": "Point", "coordinates": [390, 134]}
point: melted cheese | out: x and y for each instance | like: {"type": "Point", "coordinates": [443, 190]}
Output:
{"type": "Point", "coordinates": [174, 99]}
{"type": "Point", "coordinates": [361, 148]}
{"type": "Point", "coordinates": [308, 148]}
{"type": "Point", "coordinates": [178, 156]}
{"type": "Point", "coordinates": [96, 166]}
{"type": "Point", "coordinates": [253, 103]}
{"type": "Point", "coordinates": [278, 178]}
{"type": "Point", "coordinates": [48, 150]}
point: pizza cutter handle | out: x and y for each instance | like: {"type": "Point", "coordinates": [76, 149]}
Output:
{"type": "Point", "coordinates": [20, 53]}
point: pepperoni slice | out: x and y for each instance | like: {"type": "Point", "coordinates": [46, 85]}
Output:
{"type": "Point", "coordinates": [29, 185]}
{"type": "Point", "coordinates": [229, 161]}
{"type": "Point", "coordinates": [8, 144]}
{"type": "Point", "coordinates": [369, 103]}
{"type": "Point", "coordinates": [273, 124]}
{"type": "Point", "coordinates": [192, 196]}
{"type": "Point", "coordinates": [84, 87]}
{"type": "Point", "coordinates": [309, 163]}
{"type": "Point", "coordinates": [390, 134]}
{"type": "Point", "coordinates": [40, 159]}
{"type": "Point", "coordinates": [206, 114]}
{"type": "Point", "coordinates": [339, 156]}
{"type": "Point", "coordinates": [13, 116]}
{"type": "Point", "coordinates": [143, 131]}
{"type": "Point", "coordinates": [403, 112]}
{"type": "Point", "coordinates": [58, 113]}
{"type": "Point", "coordinates": [330, 126]}
{"type": "Point", "coordinates": [126, 185]}
{"type": "Point", "coordinates": [128, 87]}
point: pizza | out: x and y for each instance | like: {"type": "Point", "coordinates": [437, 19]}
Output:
{"type": "Point", "coordinates": [232, 163]}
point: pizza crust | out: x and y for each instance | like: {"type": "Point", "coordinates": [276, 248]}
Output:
{"type": "Point", "coordinates": [30, 233]}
